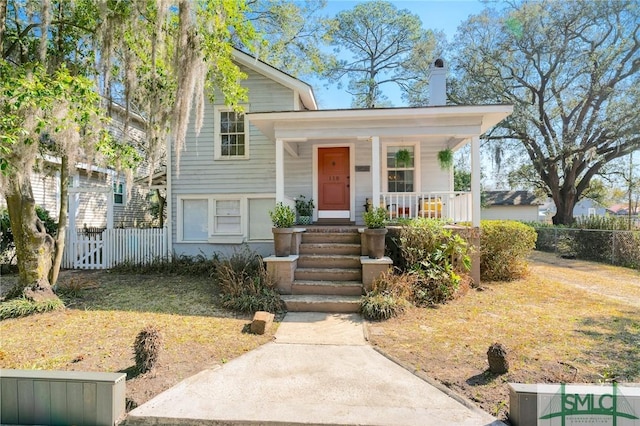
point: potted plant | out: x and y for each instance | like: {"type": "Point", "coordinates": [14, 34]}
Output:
{"type": "Point", "coordinates": [304, 208]}
{"type": "Point", "coordinates": [375, 220]}
{"type": "Point", "coordinates": [445, 159]}
{"type": "Point", "coordinates": [283, 217]}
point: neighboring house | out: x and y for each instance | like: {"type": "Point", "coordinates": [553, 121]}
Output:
{"type": "Point", "coordinates": [585, 207]}
{"type": "Point", "coordinates": [510, 205]}
{"type": "Point", "coordinates": [223, 184]}
{"type": "Point", "coordinates": [623, 209]}
{"type": "Point", "coordinates": [98, 197]}
{"type": "Point", "coordinates": [588, 207]}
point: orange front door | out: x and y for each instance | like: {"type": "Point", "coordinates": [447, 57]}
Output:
{"type": "Point", "coordinates": [333, 179]}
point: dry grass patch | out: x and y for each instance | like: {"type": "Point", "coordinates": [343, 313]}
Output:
{"type": "Point", "coordinates": [554, 333]}
{"type": "Point", "coordinates": [97, 330]}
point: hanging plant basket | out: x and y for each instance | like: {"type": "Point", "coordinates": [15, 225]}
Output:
{"type": "Point", "coordinates": [445, 159]}
{"type": "Point", "coordinates": [403, 157]}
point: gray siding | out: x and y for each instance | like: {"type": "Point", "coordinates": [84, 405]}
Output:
{"type": "Point", "coordinates": [199, 173]}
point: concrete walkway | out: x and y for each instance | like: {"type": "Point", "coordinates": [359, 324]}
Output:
{"type": "Point", "coordinates": [319, 370]}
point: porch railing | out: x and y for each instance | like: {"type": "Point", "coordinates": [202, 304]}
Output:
{"type": "Point", "coordinates": [454, 206]}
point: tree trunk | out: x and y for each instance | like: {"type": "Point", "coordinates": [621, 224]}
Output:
{"type": "Point", "coordinates": [565, 202]}
{"type": "Point", "coordinates": [162, 201]}
{"type": "Point", "coordinates": [3, 16]}
{"type": "Point", "coordinates": [34, 246]}
{"type": "Point", "coordinates": [62, 221]}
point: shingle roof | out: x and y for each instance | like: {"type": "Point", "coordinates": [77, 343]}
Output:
{"type": "Point", "coordinates": [510, 198]}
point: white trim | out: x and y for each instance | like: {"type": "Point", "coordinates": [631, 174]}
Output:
{"type": "Point", "coordinates": [352, 181]}
{"type": "Point", "coordinates": [335, 214]}
{"type": "Point", "coordinates": [231, 238]}
{"type": "Point", "coordinates": [217, 144]}
{"type": "Point", "coordinates": [279, 171]}
{"type": "Point", "coordinates": [417, 160]}
{"type": "Point", "coordinates": [475, 182]}
{"type": "Point", "coordinates": [375, 168]}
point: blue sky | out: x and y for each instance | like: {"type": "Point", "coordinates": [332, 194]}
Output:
{"type": "Point", "coordinates": [443, 15]}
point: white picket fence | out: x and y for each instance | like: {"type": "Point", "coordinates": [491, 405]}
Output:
{"type": "Point", "coordinates": [104, 250]}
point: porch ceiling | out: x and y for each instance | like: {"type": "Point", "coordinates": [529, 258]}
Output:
{"type": "Point", "coordinates": [448, 122]}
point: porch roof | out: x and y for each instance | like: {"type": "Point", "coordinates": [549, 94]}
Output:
{"type": "Point", "coordinates": [456, 123]}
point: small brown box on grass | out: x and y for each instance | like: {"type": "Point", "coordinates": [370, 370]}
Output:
{"type": "Point", "coordinates": [261, 322]}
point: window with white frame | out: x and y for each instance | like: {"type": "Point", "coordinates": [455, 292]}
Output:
{"type": "Point", "coordinates": [231, 134]}
{"type": "Point", "coordinates": [210, 218]}
{"type": "Point", "coordinates": [195, 219]}
{"type": "Point", "coordinates": [401, 168]}
{"type": "Point", "coordinates": [118, 192]}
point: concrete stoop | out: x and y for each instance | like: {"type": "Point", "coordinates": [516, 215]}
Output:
{"type": "Point", "coordinates": [328, 277]}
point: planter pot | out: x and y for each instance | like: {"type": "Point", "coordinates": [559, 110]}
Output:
{"type": "Point", "coordinates": [304, 220]}
{"type": "Point", "coordinates": [375, 242]}
{"type": "Point", "coordinates": [282, 241]}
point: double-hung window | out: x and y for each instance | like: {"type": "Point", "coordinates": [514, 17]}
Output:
{"type": "Point", "coordinates": [401, 168]}
{"type": "Point", "coordinates": [118, 192]}
{"type": "Point", "coordinates": [227, 217]}
{"type": "Point", "coordinates": [231, 134]}
{"type": "Point", "coordinates": [210, 218]}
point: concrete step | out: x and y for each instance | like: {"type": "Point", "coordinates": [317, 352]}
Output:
{"type": "Point", "coordinates": [336, 288]}
{"type": "Point", "coordinates": [331, 237]}
{"type": "Point", "coordinates": [328, 274]}
{"type": "Point", "coordinates": [328, 261]}
{"type": "Point", "coordinates": [330, 248]}
{"type": "Point", "coordinates": [322, 303]}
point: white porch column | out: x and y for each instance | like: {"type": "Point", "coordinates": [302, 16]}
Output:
{"type": "Point", "coordinates": [375, 171]}
{"type": "Point", "coordinates": [279, 170]}
{"type": "Point", "coordinates": [475, 181]}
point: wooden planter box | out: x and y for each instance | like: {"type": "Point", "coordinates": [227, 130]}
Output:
{"type": "Point", "coordinates": [29, 397]}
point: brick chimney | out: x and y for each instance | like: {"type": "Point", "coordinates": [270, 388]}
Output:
{"type": "Point", "coordinates": [438, 83]}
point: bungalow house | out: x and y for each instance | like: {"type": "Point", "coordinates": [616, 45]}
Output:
{"type": "Point", "coordinates": [223, 184]}
{"type": "Point", "coordinates": [234, 171]}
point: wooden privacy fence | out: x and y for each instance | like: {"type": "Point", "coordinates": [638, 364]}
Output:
{"type": "Point", "coordinates": [109, 247]}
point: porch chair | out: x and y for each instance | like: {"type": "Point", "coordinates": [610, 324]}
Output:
{"type": "Point", "coordinates": [430, 208]}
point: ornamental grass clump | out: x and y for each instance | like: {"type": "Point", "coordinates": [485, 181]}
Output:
{"type": "Point", "coordinates": [21, 306]}
{"type": "Point", "coordinates": [147, 348]}
{"type": "Point", "coordinates": [389, 296]}
{"type": "Point", "coordinates": [245, 285]}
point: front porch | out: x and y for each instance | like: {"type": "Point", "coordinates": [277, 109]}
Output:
{"type": "Point", "coordinates": [352, 156]}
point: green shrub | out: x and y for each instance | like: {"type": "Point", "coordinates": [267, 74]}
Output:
{"type": "Point", "coordinates": [436, 258]}
{"type": "Point", "coordinates": [435, 285]}
{"type": "Point", "coordinates": [20, 307]}
{"type": "Point", "coordinates": [195, 266]}
{"type": "Point", "coordinates": [504, 247]}
{"type": "Point", "coordinates": [245, 284]}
